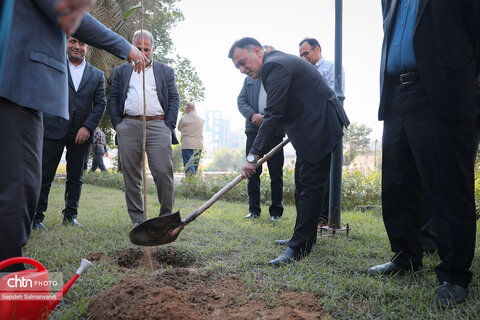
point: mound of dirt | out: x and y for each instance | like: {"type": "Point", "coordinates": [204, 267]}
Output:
{"type": "Point", "coordinates": [183, 294]}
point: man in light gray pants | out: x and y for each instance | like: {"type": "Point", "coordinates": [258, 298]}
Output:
{"type": "Point", "coordinates": [126, 113]}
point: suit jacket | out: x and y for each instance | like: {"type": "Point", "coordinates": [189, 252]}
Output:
{"type": "Point", "coordinates": [299, 100]}
{"type": "Point", "coordinates": [247, 102]}
{"type": "Point", "coordinates": [446, 34]}
{"type": "Point", "coordinates": [167, 93]}
{"type": "Point", "coordinates": [85, 106]}
{"type": "Point", "coordinates": [35, 70]}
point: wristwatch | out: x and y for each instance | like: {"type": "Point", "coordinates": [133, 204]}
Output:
{"type": "Point", "coordinates": [251, 158]}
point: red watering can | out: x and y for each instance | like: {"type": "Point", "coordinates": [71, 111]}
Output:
{"type": "Point", "coordinates": [25, 295]}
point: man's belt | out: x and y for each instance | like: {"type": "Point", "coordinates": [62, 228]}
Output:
{"type": "Point", "coordinates": [148, 118]}
{"type": "Point", "coordinates": [408, 78]}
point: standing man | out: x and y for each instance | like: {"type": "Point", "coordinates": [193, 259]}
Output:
{"type": "Point", "coordinates": [310, 50]}
{"type": "Point", "coordinates": [299, 100]}
{"type": "Point", "coordinates": [86, 104]}
{"type": "Point", "coordinates": [99, 150]}
{"type": "Point", "coordinates": [126, 113]}
{"type": "Point", "coordinates": [35, 80]}
{"type": "Point", "coordinates": [428, 105]}
{"type": "Point", "coordinates": [252, 101]}
{"type": "Point", "coordinates": [191, 127]}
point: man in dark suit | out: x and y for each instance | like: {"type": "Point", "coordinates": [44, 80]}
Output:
{"type": "Point", "coordinates": [126, 108]}
{"type": "Point", "coordinates": [429, 111]}
{"type": "Point", "coordinates": [34, 80]}
{"type": "Point", "coordinates": [252, 109]}
{"type": "Point", "coordinates": [300, 101]}
{"type": "Point", "coordinates": [86, 104]}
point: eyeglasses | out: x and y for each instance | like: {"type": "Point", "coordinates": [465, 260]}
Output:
{"type": "Point", "coordinates": [305, 53]}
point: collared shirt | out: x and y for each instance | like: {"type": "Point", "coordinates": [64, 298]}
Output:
{"type": "Point", "coordinates": [134, 101]}
{"type": "Point", "coordinates": [76, 72]}
{"type": "Point", "coordinates": [327, 70]}
{"type": "Point", "coordinates": [401, 54]}
{"type": "Point", "coordinates": [191, 127]}
{"type": "Point", "coordinates": [262, 99]}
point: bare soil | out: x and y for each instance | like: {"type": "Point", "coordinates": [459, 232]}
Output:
{"type": "Point", "coordinates": [185, 293]}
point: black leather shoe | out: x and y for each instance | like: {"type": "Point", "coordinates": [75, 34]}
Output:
{"type": "Point", "coordinates": [388, 269]}
{"type": "Point", "coordinates": [275, 218]}
{"type": "Point", "coordinates": [450, 294]}
{"type": "Point", "coordinates": [39, 226]}
{"type": "Point", "coordinates": [283, 242]}
{"type": "Point", "coordinates": [251, 216]}
{"type": "Point", "coordinates": [286, 257]}
{"type": "Point", "coordinates": [71, 222]}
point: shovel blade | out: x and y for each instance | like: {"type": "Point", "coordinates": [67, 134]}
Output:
{"type": "Point", "coordinates": [157, 231]}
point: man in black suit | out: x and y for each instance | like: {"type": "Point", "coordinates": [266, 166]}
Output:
{"type": "Point", "coordinates": [429, 111]}
{"type": "Point", "coordinates": [86, 104]}
{"type": "Point", "coordinates": [300, 101]}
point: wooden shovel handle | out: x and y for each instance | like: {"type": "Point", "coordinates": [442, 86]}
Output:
{"type": "Point", "coordinates": [192, 216]}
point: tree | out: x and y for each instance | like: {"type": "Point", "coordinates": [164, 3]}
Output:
{"type": "Point", "coordinates": [355, 140]}
{"type": "Point", "coordinates": [160, 17]}
{"type": "Point", "coordinates": [226, 160]}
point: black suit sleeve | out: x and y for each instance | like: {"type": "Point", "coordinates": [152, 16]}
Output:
{"type": "Point", "coordinates": [116, 115]}
{"type": "Point", "coordinates": [243, 104]}
{"type": "Point", "coordinates": [173, 100]}
{"type": "Point", "coordinates": [98, 109]}
{"type": "Point", "coordinates": [276, 80]}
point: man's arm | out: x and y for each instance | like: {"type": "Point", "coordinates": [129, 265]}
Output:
{"type": "Point", "coordinates": [116, 115]}
{"type": "Point", "coordinates": [99, 103]}
{"type": "Point", "coordinates": [242, 101]}
{"type": "Point", "coordinates": [173, 100]}
{"type": "Point", "coordinates": [277, 83]}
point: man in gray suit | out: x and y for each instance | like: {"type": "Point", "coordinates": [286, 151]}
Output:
{"type": "Point", "coordinates": [126, 108]}
{"type": "Point", "coordinates": [86, 104]}
{"type": "Point", "coordinates": [34, 80]}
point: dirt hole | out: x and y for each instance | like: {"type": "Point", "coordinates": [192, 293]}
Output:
{"type": "Point", "coordinates": [187, 294]}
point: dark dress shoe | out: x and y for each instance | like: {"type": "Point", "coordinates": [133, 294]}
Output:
{"type": "Point", "coordinates": [388, 269]}
{"type": "Point", "coordinates": [251, 216]}
{"type": "Point", "coordinates": [288, 256]}
{"type": "Point", "coordinates": [283, 242]}
{"type": "Point", "coordinates": [275, 218]}
{"type": "Point", "coordinates": [39, 226]}
{"type": "Point", "coordinates": [450, 294]}
{"type": "Point", "coordinates": [71, 222]}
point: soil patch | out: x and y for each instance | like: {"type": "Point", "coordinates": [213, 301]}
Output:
{"type": "Point", "coordinates": [137, 258]}
{"type": "Point", "coordinates": [186, 294]}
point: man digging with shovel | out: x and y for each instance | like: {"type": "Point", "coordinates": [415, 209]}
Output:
{"type": "Point", "coordinates": [299, 100]}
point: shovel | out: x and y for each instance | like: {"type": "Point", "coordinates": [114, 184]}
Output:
{"type": "Point", "coordinates": [165, 229]}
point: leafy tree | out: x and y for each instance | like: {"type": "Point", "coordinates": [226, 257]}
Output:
{"type": "Point", "coordinates": [160, 17]}
{"type": "Point", "coordinates": [226, 160]}
{"type": "Point", "coordinates": [355, 140]}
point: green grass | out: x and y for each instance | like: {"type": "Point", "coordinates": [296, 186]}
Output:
{"type": "Point", "coordinates": [220, 241]}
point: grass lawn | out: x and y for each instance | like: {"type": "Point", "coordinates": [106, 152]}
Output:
{"type": "Point", "coordinates": [221, 242]}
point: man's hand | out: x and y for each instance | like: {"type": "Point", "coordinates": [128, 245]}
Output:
{"type": "Point", "coordinates": [82, 135]}
{"type": "Point", "coordinates": [138, 59]}
{"type": "Point", "coordinates": [71, 13]}
{"type": "Point", "coordinates": [257, 119]}
{"type": "Point", "coordinates": [248, 168]}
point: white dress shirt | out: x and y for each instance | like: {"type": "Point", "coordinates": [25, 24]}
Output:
{"type": "Point", "coordinates": [262, 99]}
{"type": "Point", "coordinates": [76, 72]}
{"type": "Point", "coordinates": [134, 101]}
{"type": "Point", "coordinates": [327, 70]}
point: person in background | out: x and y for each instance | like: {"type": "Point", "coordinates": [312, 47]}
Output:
{"type": "Point", "coordinates": [99, 150]}
{"type": "Point", "coordinates": [191, 127]}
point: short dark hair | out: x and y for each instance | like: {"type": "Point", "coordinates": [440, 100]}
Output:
{"type": "Point", "coordinates": [312, 42]}
{"type": "Point", "coordinates": [244, 43]}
